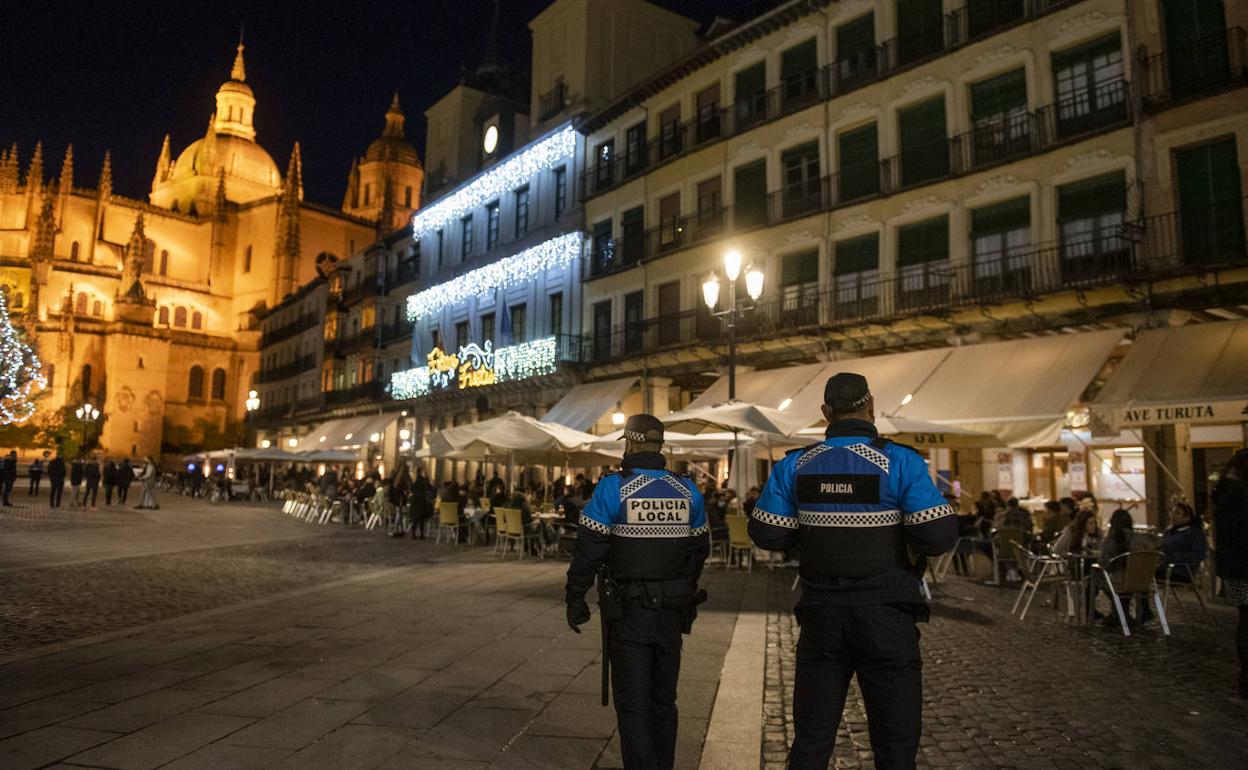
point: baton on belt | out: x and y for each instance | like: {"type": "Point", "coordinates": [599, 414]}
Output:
{"type": "Point", "coordinates": [606, 605]}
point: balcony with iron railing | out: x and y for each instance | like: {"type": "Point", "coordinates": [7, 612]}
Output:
{"type": "Point", "coordinates": [371, 392]}
{"type": "Point", "coordinates": [1210, 65]}
{"type": "Point", "coordinates": [1003, 140]}
{"type": "Point", "coordinates": [286, 331]}
{"type": "Point", "coordinates": [552, 102]}
{"type": "Point", "coordinates": [298, 366]}
{"type": "Point", "coordinates": [968, 24]}
{"type": "Point", "coordinates": [1150, 249]}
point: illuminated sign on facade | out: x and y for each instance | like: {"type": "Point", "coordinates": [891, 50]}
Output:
{"type": "Point", "coordinates": [475, 366]}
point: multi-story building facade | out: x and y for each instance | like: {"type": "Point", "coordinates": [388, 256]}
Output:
{"type": "Point", "coordinates": [474, 307]}
{"type": "Point", "coordinates": [920, 174]}
{"type": "Point", "coordinates": [151, 309]}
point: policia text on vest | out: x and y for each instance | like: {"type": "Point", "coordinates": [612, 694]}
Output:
{"type": "Point", "coordinates": [646, 528]}
{"type": "Point", "coordinates": [854, 507]}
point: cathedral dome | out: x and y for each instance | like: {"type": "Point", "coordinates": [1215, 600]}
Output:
{"type": "Point", "coordinates": [392, 145]}
{"type": "Point", "coordinates": [247, 164]}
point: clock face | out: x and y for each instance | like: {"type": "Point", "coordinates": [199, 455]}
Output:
{"type": "Point", "coordinates": [491, 140]}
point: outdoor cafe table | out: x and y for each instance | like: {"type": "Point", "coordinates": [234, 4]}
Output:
{"type": "Point", "coordinates": [1079, 571]}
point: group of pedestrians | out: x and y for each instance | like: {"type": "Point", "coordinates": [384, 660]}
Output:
{"type": "Point", "coordinates": [85, 474]}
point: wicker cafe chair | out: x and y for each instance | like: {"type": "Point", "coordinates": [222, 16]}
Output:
{"type": "Point", "coordinates": [1003, 550]}
{"type": "Point", "coordinates": [739, 541]}
{"type": "Point", "coordinates": [448, 521]}
{"type": "Point", "coordinates": [1194, 579]}
{"type": "Point", "coordinates": [1139, 576]}
{"type": "Point", "coordinates": [1037, 571]}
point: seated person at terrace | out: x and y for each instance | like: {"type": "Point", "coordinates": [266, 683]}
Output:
{"type": "Point", "coordinates": [1183, 544]}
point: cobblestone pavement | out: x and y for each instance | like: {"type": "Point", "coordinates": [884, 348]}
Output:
{"type": "Point", "coordinates": [389, 654]}
{"type": "Point", "coordinates": [1041, 693]}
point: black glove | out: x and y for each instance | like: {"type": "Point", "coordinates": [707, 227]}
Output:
{"type": "Point", "coordinates": [578, 614]}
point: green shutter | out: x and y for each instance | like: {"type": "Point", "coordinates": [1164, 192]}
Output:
{"type": "Point", "coordinates": [1208, 175]}
{"type": "Point", "coordinates": [750, 194]}
{"type": "Point", "coordinates": [858, 255]}
{"type": "Point", "coordinates": [923, 242]}
{"type": "Point", "coordinates": [998, 95]}
{"type": "Point", "coordinates": [800, 268]}
{"type": "Point", "coordinates": [751, 81]}
{"type": "Point", "coordinates": [1086, 52]}
{"type": "Point", "coordinates": [1092, 197]}
{"type": "Point", "coordinates": [855, 37]}
{"type": "Point", "coordinates": [923, 124]}
{"type": "Point", "coordinates": [859, 149]}
{"type": "Point", "coordinates": [602, 229]}
{"type": "Point", "coordinates": [798, 59]}
{"type": "Point", "coordinates": [1190, 20]}
{"type": "Point", "coordinates": [1010, 215]}
{"type": "Point", "coordinates": [634, 217]}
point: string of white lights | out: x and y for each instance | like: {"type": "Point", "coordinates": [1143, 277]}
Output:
{"type": "Point", "coordinates": [21, 372]}
{"type": "Point", "coordinates": [514, 362]}
{"type": "Point", "coordinates": [515, 270]}
{"type": "Point", "coordinates": [503, 178]}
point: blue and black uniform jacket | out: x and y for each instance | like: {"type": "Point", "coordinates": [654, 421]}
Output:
{"type": "Point", "coordinates": [858, 509]}
{"type": "Point", "coordinates": [647, 524]}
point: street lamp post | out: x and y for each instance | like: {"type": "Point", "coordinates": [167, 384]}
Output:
{"type": "Point", "coordinates": [87, 414]}
{"type": "Point", "coordinates": [710, 293]}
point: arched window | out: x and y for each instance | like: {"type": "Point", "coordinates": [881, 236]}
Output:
{"type": "Point", "coordinates": [195, 383]}
{"type": "Point", "coordinates": [218, 384]}
{"type": "Point", "coordinates": [80, 303]}
{"type": "Point", "coordinates": [97, 309]}
{"type": "Point", "coordinates": [73, 251]}
{"type": "Point", "coordinates": [18, 300]}
{"type": "Point", "coordinates": [179, 318]}
{"type": "Point", "coordinates": [164, 316]}
{"type": "Point", "coordinates": [197, 320]}
{"type": "Point", "coordinates": [86, 382]}
{"type": "Point", "coordinates": [164, 261]}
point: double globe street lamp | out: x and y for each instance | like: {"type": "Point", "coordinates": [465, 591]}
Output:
{"type": "Point", "coordinates": [710, 293]}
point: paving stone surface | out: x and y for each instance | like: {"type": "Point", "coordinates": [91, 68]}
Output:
{"type": "Point", "coordinates": [272, 646]}
{"type": "Point", "coordinates": [1041, 693]}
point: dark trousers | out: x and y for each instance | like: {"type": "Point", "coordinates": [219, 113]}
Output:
{"type": "Point", "coordinates": [6, 488]}
{"type": "Point", "coordinates": [881, 645]}
{"type": "Point", "coordinates": [56, 487]}
{"type": "Point", "coordinates": [122, 491]}
{"type": "Point", "coordinates": [88, 497]}
{"type": "Point", "coordinates": [108, 494]}
{"type": "Point", "coordinates": [35, 478]}
{"type": "Point", "coordinates": [1241, 642]}
{"type": "Point", "coordinates": [645, 667]}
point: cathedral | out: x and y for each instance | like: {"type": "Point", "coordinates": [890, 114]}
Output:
{"type": "Point", "coordinates": [149, 310]}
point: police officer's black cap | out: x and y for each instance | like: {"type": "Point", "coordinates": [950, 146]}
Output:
{"type": "Point", "coordinates": [846, 392]}
{"type": "Point", "coordinates": [643, 429]}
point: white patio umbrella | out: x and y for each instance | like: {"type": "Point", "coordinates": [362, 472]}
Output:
{"type": "Point", "coordinates": [686, 446]}
{"type": "Point", "coordinates": [913, 432]}
{"type": "Point", "coordinates": [760, 423]}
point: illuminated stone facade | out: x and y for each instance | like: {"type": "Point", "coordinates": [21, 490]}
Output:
{"type": "Point", "coordinates": [150, 309]}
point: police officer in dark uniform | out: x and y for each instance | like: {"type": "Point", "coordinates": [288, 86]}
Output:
{"type": "Point", "coordinates": [863, 514]}
{"type": "Point", "coordinates": [644, 534]}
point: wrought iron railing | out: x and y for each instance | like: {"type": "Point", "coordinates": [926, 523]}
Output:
{"type": "Point", "coordinates": [1207, 65]}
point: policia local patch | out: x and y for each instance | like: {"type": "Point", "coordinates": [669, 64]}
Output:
{"type": "Point", "coordinates": [658, 510]}
{"type": "Point", "coordinates": [838, 488]}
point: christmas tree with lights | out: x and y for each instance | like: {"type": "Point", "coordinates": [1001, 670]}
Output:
{"type": "Point", "coordinates": [21, 373]}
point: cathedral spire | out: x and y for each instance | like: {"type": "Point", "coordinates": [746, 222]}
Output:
{"type": "Point", "coordinates": [45, 230]}
{"type": "Point", "coordinates": [220, 201]}
{"type": "Point", "coordinates": [394, 119]}
{"type": "Point", "coordinates": [105, 188]}
{"type": "Point", "coordinates": [239, 72]}
{"type": "Point", "coordinates": [132, 265]}
{"type": "Point", "coordinates": [34, 172]}
{"type": "Point", "coordinates": [163, 163]}
{"type": "Point", "coordinates": [66, 180]}
{"type": "Point", "coordinates": [293, 187]}
{"type": "Point", "coordinates": [8, 170]}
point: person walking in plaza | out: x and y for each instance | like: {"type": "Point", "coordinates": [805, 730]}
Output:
{"type": "Point", "coordinates": [125, 477]}
{"type": "Point", "coordinates": [109, 476]}
{"type": "Point", "coordinates": [644, 535]}
{"type": "Point", "coordinates": [36, 472]}
{"type": "Point", "coordinates": [419, 502]}
{"type": "Point", "coordinates": [91, 481]}
{"type": "Point", "coordinates": [1230, 525]}
{"type": "Point", "coordinates": [8, 477]}
{"type": "Point", "coordinates": [56, 480]}
{"type": "Point", "coordinates": [148, 477]}
{"type": "Point", "coordinates": [76, 468]}
{"type": "Point", "coordinates": [855, 505]}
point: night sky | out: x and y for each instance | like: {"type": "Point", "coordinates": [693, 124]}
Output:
{"type": "Point", "coordinates": [120, 75]}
